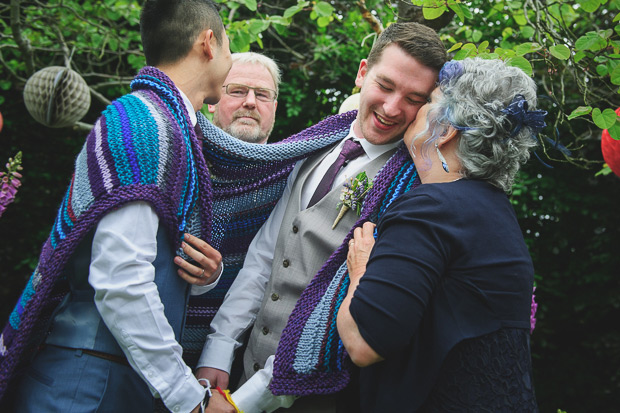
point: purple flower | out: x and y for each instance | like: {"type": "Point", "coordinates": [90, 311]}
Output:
{"type": "Point", "coordinates": [9, 182]}
{"type": "Point", "coordinates": [450, 70]}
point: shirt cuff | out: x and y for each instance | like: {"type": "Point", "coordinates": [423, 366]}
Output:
{"type": "Point", "coordinates": [187, 397]}
{"type": "Point", "coordinates": [202, 289]}
{"type": "Point", "coordinates": [218, 352]}
{"type": "Point", "coordinates": [254, 395]}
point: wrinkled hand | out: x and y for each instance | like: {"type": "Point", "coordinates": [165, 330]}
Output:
{"type": "Point", "coordinates": [218, 403]}
{"type": "Point", "coordinates": [206, 263]}
{"type": "Point", "coordinates": [216, 377]}
{"type": "Point", "coordinates": [359, 250]}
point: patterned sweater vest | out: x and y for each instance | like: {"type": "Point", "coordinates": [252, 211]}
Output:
{"type": "Point", "coordinates": [305, 241]}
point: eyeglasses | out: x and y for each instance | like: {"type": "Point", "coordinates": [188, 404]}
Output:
{"type": "Point", "coordinates": [237, 90]}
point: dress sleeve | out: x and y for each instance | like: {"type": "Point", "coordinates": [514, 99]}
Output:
{"type": "Point", "coordinates": [404, 269]}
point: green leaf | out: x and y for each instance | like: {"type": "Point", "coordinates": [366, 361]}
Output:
{"type": "Point", "coordinates": [605, 119]}
{"type": "Point", "coordinates": [519, 18]}
{"type": "Point", "coordinates": [617, 18]}
{"type": "Point", "coordinates": [455, 47]}
{"type": "Point", "coordinates": [240, 41]}
{"type": "Point", "coordinates": [601, 70]}
{"type": "Point", "coordinates": [605, 171]}
{"type": "Point", "coordinates": [560, 51]}
{"type": "Point", "coordinates": [523, 49]}
{"type": "Point", "coordinates": [323, 21]}
{"type": "Point", "coordinates": [614, 131]}
{"type": "Point", "coordinates": [483, 46]}
{"type": "Point", "coordinates": [463, 53]}
{"type": "Point", "coordinates": [279, 20]}
{"type": "Point", "coordinates": [458, 10]}
{"type": "Point", "coordinates": [431, 13]}
{"type": "Point", "coordinates": [590, 41]}
{"type": "Point", "coordinates": [527, 32]}
{"type": "Point", "coordinates": [615, 76]}
{"type": "Point", "coordinates": [476, 36]}
{"type": "Point", "coordinates": [580, 111]}
{"type": "Point", "coordinates": [579, 56]}
{"type": "Point", "coordinates": [590, 5]}
{"type": "Point", "coordinates": [291, 11]}
{"type": "Point", "coordinates": [522, 63]}
{"type": "Point", "coordinates": [257, 26]}
{"type": "Point", "coordinates": [322, 8]}
{"type": "Point", "coordinates": [250, 4]}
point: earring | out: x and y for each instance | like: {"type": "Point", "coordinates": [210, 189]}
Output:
{"type": "Point", "coordinates": [444, 164]}
{"type": "Point", "coordinates": [412, 150]}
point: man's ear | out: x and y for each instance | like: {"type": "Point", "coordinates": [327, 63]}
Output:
{"type": "Point", "coordinates": [448, 135]}
{"type": "Point", "coordinates": [207, 42]}
{"type": "Point", "coordinates": [211, 108]}
{"type": "Point", "coordinates": [361, 73]}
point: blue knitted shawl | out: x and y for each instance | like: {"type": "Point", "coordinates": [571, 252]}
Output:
{"type": "Point", "coordinates": [248, 180]}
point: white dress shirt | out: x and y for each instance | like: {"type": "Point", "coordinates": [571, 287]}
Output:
{"type": "Point", "coordinates": [121, 272]}
{"type": "Point", "coordinates": [242, 303]}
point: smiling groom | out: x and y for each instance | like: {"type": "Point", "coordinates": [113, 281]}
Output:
{"type": "Point", "coordinates": [297, 239]}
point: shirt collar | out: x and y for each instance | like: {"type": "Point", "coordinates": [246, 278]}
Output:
{"type": "Point", "coordinates": [189, 107]}
{"type": "Point", "coordinates": [372, 151]}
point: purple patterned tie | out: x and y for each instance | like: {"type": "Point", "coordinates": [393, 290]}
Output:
{"type": "Point", "coordinates": [351, 150]}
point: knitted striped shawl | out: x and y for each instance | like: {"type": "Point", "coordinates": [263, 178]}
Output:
{"type": "Point", "coordinates": [310, 358]}
{"type": "Point", "coordinates": [143, 147]}
{"type": "Point", "coordinates": [248, 180]}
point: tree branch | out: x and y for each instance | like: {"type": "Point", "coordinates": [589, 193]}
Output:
{"type": "Point", "coordinates": [375, 24]}
{"type": "Point", "coordinates": [22, 42]}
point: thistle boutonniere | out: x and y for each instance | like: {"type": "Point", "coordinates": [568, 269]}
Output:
{"type": "Point", "coordinates": [353, 193]}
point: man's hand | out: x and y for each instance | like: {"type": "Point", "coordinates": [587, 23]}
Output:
{"type": "Point", "coordinates": [206, 265]}
{"type": "Point", "coordinates": [215, 376]}
{"type": "Point", "coordinates": [218, 403]}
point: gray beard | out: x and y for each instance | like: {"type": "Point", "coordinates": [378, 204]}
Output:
{"type": "Point", "coordinates": [251, 134]}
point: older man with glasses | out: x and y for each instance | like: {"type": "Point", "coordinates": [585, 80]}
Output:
{"type": "Point", "coordinates": [247, 109]}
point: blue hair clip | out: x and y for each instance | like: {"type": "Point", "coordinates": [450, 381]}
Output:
{"type": "Point", "coordinates": [519, 116]}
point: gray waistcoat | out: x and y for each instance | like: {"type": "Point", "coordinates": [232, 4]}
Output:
{"type": "Point", "coordinates": [77, 323]}
{"type": "Point", "coordinates": [305, 242]}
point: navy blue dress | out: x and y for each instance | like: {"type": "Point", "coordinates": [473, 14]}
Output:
{"type": "Point", "coordinates": [446, 301]}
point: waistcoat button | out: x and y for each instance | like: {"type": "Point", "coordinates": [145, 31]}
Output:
{"type": "Point", "coordinates": [275, 297]}
{"type": "Point", "coordinates": [256, 367]}
{"type": "Point", "coordinates": [295, 229]}
{"type": "Point", "coordinates": [285, 263]}
{"type": "Point", "coordinates": [265, 330]}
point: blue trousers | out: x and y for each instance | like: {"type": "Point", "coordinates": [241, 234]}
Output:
{"type": "Point", "coordinates": [69, 381]}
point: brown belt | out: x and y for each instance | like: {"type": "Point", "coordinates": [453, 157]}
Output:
{"type": "Point", "coordinates": [111, 357]}
{"type": "Point", "coordinates": [99, 354]}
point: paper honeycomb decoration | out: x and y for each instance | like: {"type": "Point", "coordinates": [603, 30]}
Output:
{"type": "Point", "coordinates": [57, 96]}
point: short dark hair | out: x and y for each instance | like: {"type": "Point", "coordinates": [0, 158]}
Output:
{"type": "Point", "coordinates": [169, 27]}
{"type": "Point", "coordinates": [417, 40]}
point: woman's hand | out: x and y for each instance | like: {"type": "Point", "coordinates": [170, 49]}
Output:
{"type": "Point", "coordinates": [206, 265]}
{"type": "Point", "coordinates": [359, 250]}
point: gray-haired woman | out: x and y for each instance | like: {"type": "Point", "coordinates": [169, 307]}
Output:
{"type": "Point", "coordinates": [439, 316]}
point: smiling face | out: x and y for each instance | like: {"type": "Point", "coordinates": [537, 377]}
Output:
{"type": "Point", "coordinates": [246, 118]}
{"type": "Point", "coordinates": [419, 124]}
{"type": "Point", "coordinates": [392, 92]}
